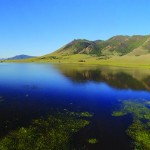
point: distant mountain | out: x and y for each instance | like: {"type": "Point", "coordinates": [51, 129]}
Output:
{"type": "Point", "coordinates": [19, 57]}
{"type": "Point", "coordinates": [2, 58]}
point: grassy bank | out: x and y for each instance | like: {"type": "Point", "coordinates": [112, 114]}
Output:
{"type": "Point", "coordinates": [125, 61]}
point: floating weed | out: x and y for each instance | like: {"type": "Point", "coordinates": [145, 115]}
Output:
{"type": "Point", "coordinates": [138, 109]}
{"type": "Point", "coordinates": [86, 114]}
{"type": "Point", "coordinates": [82, 114]}
{"type": "Point", "coordinates": [93, 141]}
{"type": "Point", "coordinates": [53, 133]}
{"type": "Point", "coordinates": [139, 130]}
{"type": "Point", "coordinates": [118, 113]}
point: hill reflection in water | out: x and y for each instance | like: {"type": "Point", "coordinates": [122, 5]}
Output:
{"type": "Point", "coordinates": [121, 78]}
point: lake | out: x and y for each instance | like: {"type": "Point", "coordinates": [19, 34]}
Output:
{"type": "Point", "coordinates": [30, 90]}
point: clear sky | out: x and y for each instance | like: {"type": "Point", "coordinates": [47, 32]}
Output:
{"type": "Point", "coordinates": [37, 27]}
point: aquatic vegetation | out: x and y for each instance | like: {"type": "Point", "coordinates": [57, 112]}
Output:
{"type": "Point", "coordinates": [140, 133]}
{"type": "Point", "coordinates": [93, 141]}
{"type": "Point", "coordinates": [86, 114]}
{"type": "Point", "coordinates": [53, 133]}
{"type": "Point", "coordinates": [138, 108]}
{"type": "Point", "coordinates": [139, 130]}
{"type": "Point", "coordinates": [118, 113]}
{"type": "Point", "coordinates": [80, 114]}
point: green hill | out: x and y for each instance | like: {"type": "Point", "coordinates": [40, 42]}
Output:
{"type": "Point", "coordinates": [117, 45]}
{"type": "Point", "coordinates": [118, 50]}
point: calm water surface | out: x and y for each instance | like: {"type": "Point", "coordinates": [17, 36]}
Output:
{"type": "Point", "coordinates": [29, 91]}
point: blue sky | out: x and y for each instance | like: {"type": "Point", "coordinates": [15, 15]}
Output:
{"type": "Point", "coordinates": [37, 27]}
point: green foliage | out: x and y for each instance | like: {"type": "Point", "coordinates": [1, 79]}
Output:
{"type": "Point", "coordinates": [139, 130]}
{"type": "Point", "coordinates": [52, 133]}
{"type": "Point", "coordinates": [86, 114]}
{"type": "Point", "coordinates": [118, 113]}
{"type": "Point", "coordinates": [140, 133]}
{"type": "Point", "coordinates": [93, 141]}
{"type": "Point", "coordinates": [53, 57]}
{"type": "Point", "coordinates": [136, 108]}
{"type": "Point", "coordinates": [81, 60]}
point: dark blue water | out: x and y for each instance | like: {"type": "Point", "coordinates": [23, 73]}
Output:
{"type": "Point", "coordinates": [29, 91]}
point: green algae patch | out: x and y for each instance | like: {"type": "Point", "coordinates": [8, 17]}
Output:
{"type": "Point", "coordinates": [139, 130]}
{"type": "Point", "coordinates": [86, 114]}
{"type": "Point", "coordinates": [118, 113]}
{"type": "Point", "coordinates": [140, 134]}
{"type": "Point", "coordinates": [81, 114]}
{"type": "Point", "coordinates": [138, 108]}
{"type": "Point", "coordinates": [93, 141]}
{"type": "Point", "coordinates": [52, 133]}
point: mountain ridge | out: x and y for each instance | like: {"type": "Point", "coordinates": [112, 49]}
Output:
{"type": "Point", "coordinates": [117, 51]}
{"type": "Point", "coordinates": [17, 57]}
{"type": "Point", "coordinates": [117, 45]}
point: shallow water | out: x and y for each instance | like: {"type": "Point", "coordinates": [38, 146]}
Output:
{"type": "Point", "coordinates": [29, 91]}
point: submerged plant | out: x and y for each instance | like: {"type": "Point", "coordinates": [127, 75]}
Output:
{"type": "Point", "coordinates": [93, 141]}
{"type": "Point", "coordinates": [53, 133]}
{"type": "Point", "coordinates": [139, 130]}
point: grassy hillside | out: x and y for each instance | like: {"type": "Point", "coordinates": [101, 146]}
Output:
{"type": "Point", "coordinates": [117, 45]}
{"type": "Point", "coordinates": [118, 50]}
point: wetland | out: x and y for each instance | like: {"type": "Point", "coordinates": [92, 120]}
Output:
{"type": "Point", "coordinates": [70, 106]}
